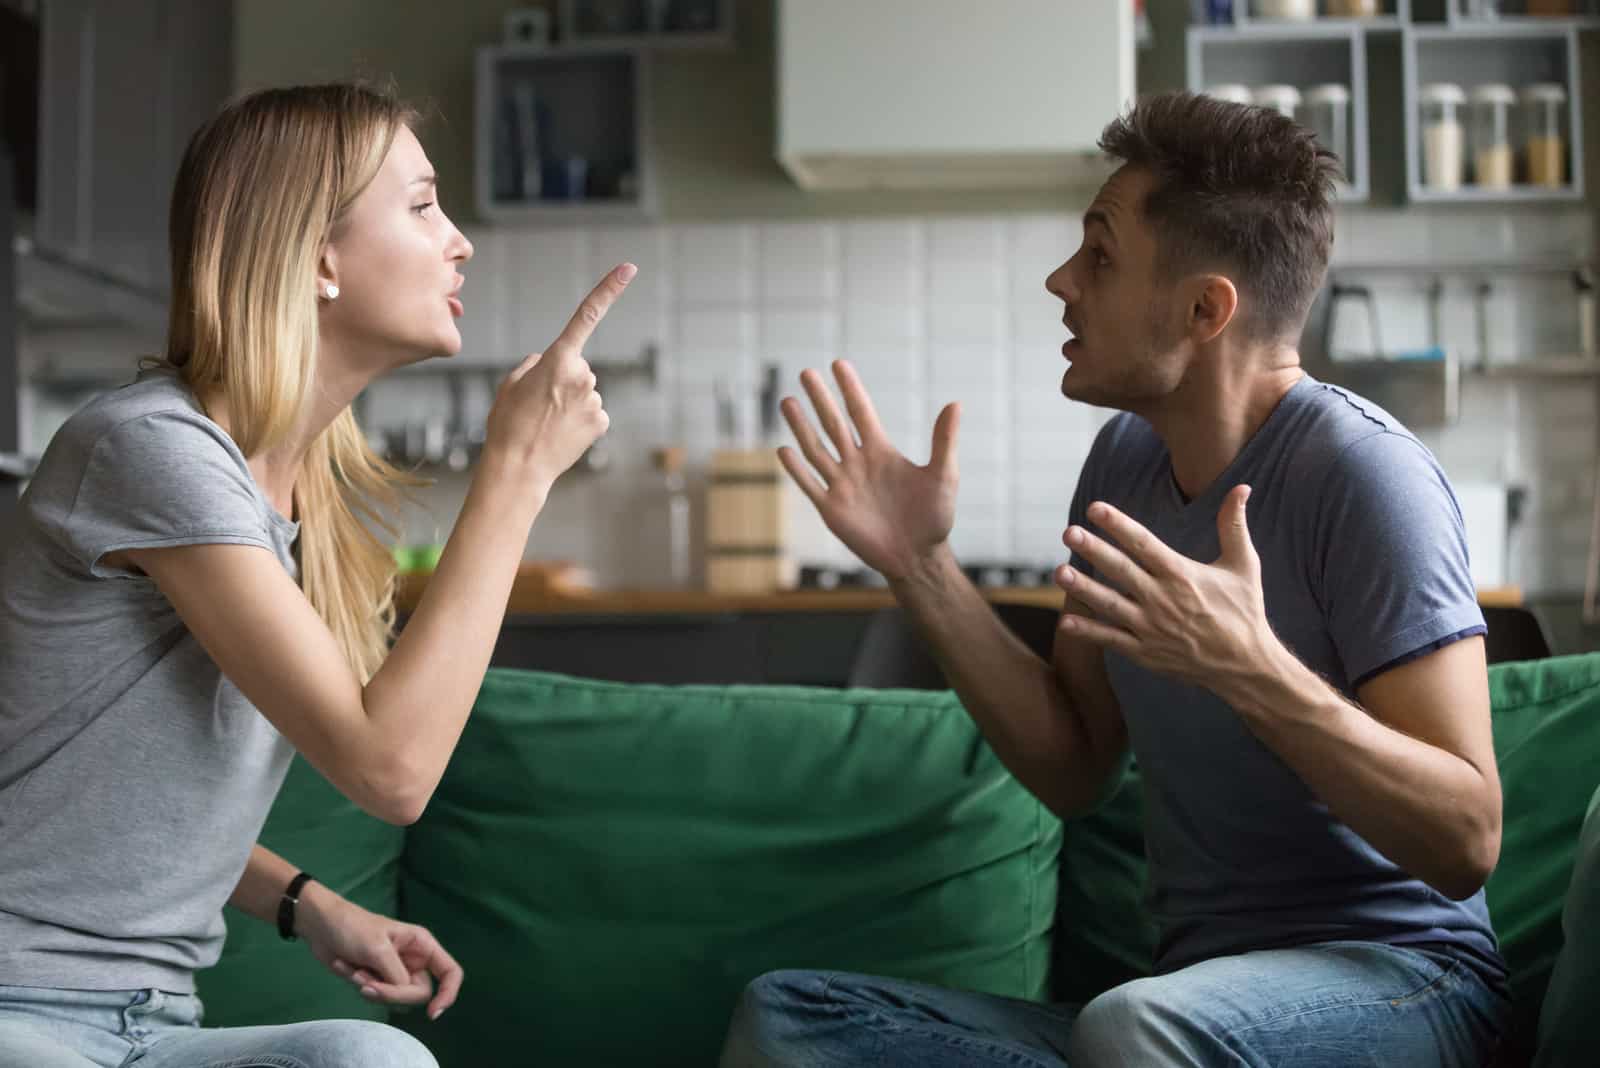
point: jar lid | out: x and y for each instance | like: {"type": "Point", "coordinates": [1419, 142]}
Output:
{"type": "Point", "coordinates": [1493, 94]}
{"type": "Point", "coordinates": [1238, 94]}
{"type": "Point", "coordinates": [1545, 92]}
{"type": "Point", "coordinates": [1279, 96]}
{"type": "Point", "coordinates": [1332, 93]}
{"type": "Point", "coordinates": [1443, 93]}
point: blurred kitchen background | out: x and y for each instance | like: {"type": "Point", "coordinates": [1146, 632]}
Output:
{"type": "Point", "coordinates": [883, 180]}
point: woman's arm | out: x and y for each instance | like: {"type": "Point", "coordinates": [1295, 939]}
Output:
{"type": "Point", "coordinates": [388, 960]}
{"type": "Point", "coordinates": [385, 745]}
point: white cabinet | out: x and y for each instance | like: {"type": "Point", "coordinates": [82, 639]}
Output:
{"type": "Point", "coordinates": [949, 93]}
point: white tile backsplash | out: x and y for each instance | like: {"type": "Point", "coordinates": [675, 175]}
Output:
{"type": "Point", "coordinates": [966, 262]}
{"type": "Point", "coordinates": [941, 309]}
{"type": "Point", "coordinates": [716, 264]}
{"type": "Point", "coordinates": [800, 264]}
{"type": "Point", "coordinates": [883, 263]}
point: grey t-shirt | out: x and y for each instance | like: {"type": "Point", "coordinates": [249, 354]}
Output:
{"type": "Point", "coordinates": [1364, 564]}
{"type": "Point", "coordinates": [134, 778]}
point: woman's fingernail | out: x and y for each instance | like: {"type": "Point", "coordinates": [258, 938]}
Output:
{"type": "Point", "coordinates": [433, 1014]}
{"type": "Point", "coordinates": [368, 992]}
{"type": "Point", "coordinates": [627, 272]}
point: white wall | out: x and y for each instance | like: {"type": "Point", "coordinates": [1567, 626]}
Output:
{"type": "Point", "coordinates": [954, 308]}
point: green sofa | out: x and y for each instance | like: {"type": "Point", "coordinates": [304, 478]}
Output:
{"type": "Point", "coordinates": [613, 862]}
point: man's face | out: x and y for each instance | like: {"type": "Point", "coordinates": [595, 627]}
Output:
{"type": "Point", "coordinates": [1127, 322]}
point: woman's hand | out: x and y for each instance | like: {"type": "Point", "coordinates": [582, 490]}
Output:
{"type": "Point", "coordinates": [546, 413]}
{"type": "Point", "coordinates": [389, 961]}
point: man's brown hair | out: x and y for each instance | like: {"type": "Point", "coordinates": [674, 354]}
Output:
{"type": "Point", "coordinates": [1239, 189]}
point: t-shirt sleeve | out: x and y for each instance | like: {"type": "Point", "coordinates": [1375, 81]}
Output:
{"type": "Point", "coordinates": [1391, 551]}
{"type": "Point", "coordinates": [161, 480]}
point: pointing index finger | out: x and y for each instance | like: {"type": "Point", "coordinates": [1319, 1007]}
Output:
{"type": "Point", "coordinates": [594, 307]}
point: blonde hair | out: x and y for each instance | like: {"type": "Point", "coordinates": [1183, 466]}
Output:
{"type": "Point", "coordinates": [262, 187]}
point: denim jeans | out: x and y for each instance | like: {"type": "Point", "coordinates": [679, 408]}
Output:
{"type": "Point", "coordinates": [41, 1028]}
{"type": "Point", "coordinates": [1333, 1004]}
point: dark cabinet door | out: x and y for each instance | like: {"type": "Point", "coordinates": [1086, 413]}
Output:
{"type": "Point", "coordinates": [123, 85]}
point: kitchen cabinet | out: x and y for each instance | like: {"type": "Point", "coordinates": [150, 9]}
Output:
{"type": "Point", "coordinates": [924, 94]}
{"type": "Point", "coordinates": [123, 86]}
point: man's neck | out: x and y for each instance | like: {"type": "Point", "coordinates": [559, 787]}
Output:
{"type": "Point", "coordinates": [1220, 406]}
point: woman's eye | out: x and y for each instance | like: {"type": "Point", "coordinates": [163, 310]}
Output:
{"type": "Point", "coordinates": [420, 208]}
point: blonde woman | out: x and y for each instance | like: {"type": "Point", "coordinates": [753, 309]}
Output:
{"type": "Point", "coordinates": [194, 591]}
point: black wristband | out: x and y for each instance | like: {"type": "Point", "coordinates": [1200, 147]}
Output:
{"type": "Point", "coordinates": [291, 897]}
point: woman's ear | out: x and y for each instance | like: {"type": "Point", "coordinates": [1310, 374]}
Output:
{"type": "Point", "coordinates": [1213, 304]}
{"type": "Point", "coordinates": [327, 275]}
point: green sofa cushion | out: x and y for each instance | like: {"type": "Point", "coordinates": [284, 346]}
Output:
{"type": "Point", "coordinates": [1547, 742]}
{"type": "Point", "coordinates": [613, 863]}
{"type": "Point", "coordinates": [1104, 935]}
{"type": "Point", "coordinates": [261, 979]}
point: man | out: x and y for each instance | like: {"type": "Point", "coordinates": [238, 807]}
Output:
{"type": "Point", "coordinates": [1301, 677]}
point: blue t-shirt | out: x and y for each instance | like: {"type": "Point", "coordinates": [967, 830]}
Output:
{"type": "Point", "coordinates": [1364, 565]}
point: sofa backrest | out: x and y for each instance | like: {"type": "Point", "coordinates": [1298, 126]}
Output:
{"type": "Point", "coordinates": [613, 863]}
{"type": "Point", "coordinates": [596, 845]}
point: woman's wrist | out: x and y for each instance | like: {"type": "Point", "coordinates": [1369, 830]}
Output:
{"type": "Point", "coordinates": [314, 911]}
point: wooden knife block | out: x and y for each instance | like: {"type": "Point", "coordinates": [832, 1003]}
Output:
{"type": "Point", "coordinates": [747, 522]}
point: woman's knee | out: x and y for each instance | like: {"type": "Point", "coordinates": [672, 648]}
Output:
{"type": "Point", "coordinates": [357, 1044]}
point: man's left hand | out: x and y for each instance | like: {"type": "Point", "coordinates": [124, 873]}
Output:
{"type": "Point", "coordinates": [389, 961]}
{"type": "Point", "coordinates": [1205, 624]}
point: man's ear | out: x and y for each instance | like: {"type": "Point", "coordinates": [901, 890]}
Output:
{"type": "Point", "coordinates": [1213, 302]}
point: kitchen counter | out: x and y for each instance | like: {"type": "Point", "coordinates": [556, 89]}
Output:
{"type": "Point", "coordinates": [533, 593]}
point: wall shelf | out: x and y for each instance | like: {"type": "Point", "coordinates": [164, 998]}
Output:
{"type": "Point", "coordinates": [1392, 15]}
{"type": "Point", "coordinates": [1513, 54]}
{"type": "Point", "coordinates": [665, 25]}
{"type": "Point", "coordinates": [1301, 54]}
{"type": "Point", "coordinates": [561, 135]}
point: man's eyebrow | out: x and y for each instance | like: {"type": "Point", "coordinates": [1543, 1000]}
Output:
{"type": "Point", "coordinates": [1095, 215]}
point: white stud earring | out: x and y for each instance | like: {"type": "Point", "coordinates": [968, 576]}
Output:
{"type": "Point", "coordinates": [330, 291]}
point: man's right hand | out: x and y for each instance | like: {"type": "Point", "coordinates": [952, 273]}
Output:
{"type": "Point", "coordinates": [547, 412]}
{"type": "Point", "coordinates": [892, 513]}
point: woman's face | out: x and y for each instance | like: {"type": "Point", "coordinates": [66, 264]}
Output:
{"type": "Point", "coordinates": [394, 258]}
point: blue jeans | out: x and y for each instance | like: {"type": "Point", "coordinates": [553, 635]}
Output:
{"type": "Point", "coordinates": [42, 1028]}
{"type": "Point", "coordinates": [1333, 1004]}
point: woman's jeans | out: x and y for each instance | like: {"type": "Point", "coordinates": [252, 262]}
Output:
{"type": "Point", "coordinates": [42, 1028]}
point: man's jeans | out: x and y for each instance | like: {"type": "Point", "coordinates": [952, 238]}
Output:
{"type": "Point", "coordinates": [42, 1028]}
{"type": "Point", "coordinates": [1333, 1004]}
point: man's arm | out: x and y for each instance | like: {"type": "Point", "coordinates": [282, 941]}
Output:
{"type": "Point", "coordinates": [1411, 769]}
{"type": "Point", "coordinates": [1056, 726]}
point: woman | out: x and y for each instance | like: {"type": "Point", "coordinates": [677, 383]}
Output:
{"type": "Point", "coordinates": [193, 591]}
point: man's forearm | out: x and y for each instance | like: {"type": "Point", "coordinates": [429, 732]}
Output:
{"type": "Point", "coordinates": [1426, 809]}
{"type": "Point", "coordinates": [1013, 695]}
{"type": "Point", "coordinates": [266, 876]}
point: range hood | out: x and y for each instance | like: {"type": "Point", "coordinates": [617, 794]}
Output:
{"type": "Point", "coordinates": [950, 94]}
